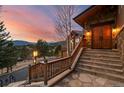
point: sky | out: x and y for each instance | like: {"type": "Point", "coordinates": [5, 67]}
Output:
{"type": "Point", "coordinates": [33, 22]}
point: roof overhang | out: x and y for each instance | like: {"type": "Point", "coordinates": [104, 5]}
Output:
{"type": "Point", "coordinates": [91, 11]}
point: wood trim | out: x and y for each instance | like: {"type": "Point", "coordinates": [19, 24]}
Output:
{"type": "Point", "coordinates": [103, 23]}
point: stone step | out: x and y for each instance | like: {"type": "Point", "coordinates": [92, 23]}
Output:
{"type": "Point", "coordinates": [100, 68]}
{"type": "Point", "coordinates": [101, 55]}
{"type": "Point", "coordinates": [100, 59]}
{"type": "Point", "coordinates": [102, 52]}
{"type": "Point", "coordinates": [111, 65]}
{"type": "Point", "coordinates": [102, 62]}
{"type": "Point", "coordinates": [102, 74]}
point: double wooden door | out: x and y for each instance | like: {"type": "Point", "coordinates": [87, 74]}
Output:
{"type": "Point", "coordinates": [102, 37]}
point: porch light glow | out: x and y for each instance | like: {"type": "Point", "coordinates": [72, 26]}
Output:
{"type": "Point", "coordinates": [115, 31]}
{"type": "Point", "coordinates": [87, 33]}
{"type": "Point", "coordinates": [35, 53]}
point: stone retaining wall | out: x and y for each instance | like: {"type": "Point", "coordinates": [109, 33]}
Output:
{"type": "Point", "coordinates": [120, 43]}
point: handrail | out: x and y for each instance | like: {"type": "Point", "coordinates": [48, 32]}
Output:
{"type": "Point", "coordinates": [119, 31]}
{"type": "Point", "coordinates": [71, 53]}
{"type": "Point", "coordinates": [56, 60]}
{"type": "Point", "coordinates": [115, 39]}
{"type": "Point", "coordinates": [77, 46]}
{"type": "Point", "coordinates": [47, 71]}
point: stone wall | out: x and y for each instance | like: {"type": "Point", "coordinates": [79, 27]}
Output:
{"type": "Point", "coordinates": [120, 44]}
{"type": "Point", "coordinates": [120, 25]}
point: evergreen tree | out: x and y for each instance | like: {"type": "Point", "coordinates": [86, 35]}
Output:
{"type": "Point", "coordinates": [25, 52]}
{"type": "Point", "coordinates": [7, 50]}
{"type": "Point", "coordinates": [57, 50]}
{"type": "Point", "coordinates": [42, 47]}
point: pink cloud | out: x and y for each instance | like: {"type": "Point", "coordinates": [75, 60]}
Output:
{"type": "Point", "coordinates": [26, 24]}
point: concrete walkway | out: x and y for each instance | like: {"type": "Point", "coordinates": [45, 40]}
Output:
{"type": "Point", "coordinates": [79, 79]}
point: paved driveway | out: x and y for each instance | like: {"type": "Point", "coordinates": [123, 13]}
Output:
{"type": "Point", "coordinates": [15, 76]}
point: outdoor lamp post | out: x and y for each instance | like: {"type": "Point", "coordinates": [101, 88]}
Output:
{"type": "Point", "coordinates": [35, 54]}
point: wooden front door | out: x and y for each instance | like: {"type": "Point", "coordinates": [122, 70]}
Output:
{"type": "Point", "coordinates": [102, 37]}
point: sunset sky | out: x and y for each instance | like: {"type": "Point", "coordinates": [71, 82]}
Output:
{"type": "Point", "coordinates": [31, 23]}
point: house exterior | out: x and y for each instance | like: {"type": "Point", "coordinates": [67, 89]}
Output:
{"type": "Point", "coordinates": [101, 24]}
{"type": "Point", "coordinates": [103, 28]}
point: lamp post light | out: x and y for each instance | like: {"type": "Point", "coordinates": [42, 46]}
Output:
{"type": "Point", "coordinates": [35, 54]}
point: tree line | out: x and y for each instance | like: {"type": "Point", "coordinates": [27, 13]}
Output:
{"type": "Point", "coordinates": [11, 54]}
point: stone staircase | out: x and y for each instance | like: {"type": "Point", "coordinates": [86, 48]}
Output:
{"type": "Point", "coordinates": [101, 62]}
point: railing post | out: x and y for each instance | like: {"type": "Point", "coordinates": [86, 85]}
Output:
{"type": "Point", "coordinates": [81, 42]}
{"type": "Point", "coordinates": [29, 74]}
{"type": "Point", "coordinates": [45, 72]}
{"type": "Point", "coordinates": [70, 62]}
{"type": "Point", "coordinates": [1, 83]}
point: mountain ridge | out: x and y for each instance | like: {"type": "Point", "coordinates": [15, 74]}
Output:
{"type": "Point", "coordinates": [24, 43]}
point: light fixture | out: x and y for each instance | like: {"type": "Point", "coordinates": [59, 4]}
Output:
{"type": "Point", "coordinates": [88, 33]}
{"type": "Point", "coordinates": [115, 32]}
{"type": "Point", "coordinates": [35, 54]}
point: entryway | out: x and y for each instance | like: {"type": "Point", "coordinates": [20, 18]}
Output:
{"type": "Point", "coordinates": [102, 37]}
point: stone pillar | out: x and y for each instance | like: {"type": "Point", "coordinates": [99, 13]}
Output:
{"type": "Point", "coordinates": [122, 54]}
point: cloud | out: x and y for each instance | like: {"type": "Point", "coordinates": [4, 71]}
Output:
{"type": "Point", "coordinates": [28, 23]}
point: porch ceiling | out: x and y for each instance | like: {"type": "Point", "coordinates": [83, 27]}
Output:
{"type": "Point", "coordinates": [89, 13]}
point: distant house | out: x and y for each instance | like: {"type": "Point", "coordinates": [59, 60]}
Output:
{"type": "Point", "coordinates": [75, 36]}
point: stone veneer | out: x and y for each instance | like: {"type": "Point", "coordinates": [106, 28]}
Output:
{"type": "Point", "coordinates": [79, 79]}
{"type": "Point", "coordinates": [120, 44]}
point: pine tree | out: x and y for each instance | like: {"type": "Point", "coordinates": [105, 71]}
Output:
{"type": "Point", "coordinates": [42, 47]}
{"type": "Point", "coordinates": [7, 50]}
{"type": "Point", "coordinates": [24, 52]}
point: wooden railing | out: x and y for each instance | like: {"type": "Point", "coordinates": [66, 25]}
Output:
{"type": "Point", "coordinates": [36, 72]}
{"type": "Point", "coordinates": [119, 41]}
{"type": "Point", "coordinates": [76, 50]}
{"type": "Point", "coordinates": [58, 66]}
{"type": "Point", "coordinates": [121, 29]}
{"type": "Point", "coordinates": [48, 70]}
{"type": "Point", "coordinates": [115, 41]}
